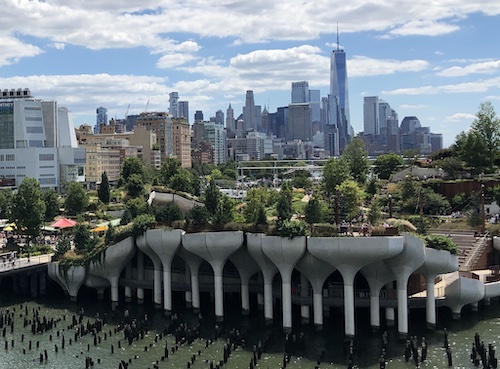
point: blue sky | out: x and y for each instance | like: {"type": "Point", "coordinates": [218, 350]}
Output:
{"type": "Point", "coordinates": [437, 60]}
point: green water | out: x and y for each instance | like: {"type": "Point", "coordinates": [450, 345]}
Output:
{"type": "Point", "coordinates": [330, 340]}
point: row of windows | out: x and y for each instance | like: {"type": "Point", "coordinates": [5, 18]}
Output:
{"type": "Point", "coordinates": [7, 157]}
{"type": "Point", "coordinates": [33, 119]}
{"type": "Point", "coordinates": [32, 108]}
{"type": "Point", "coordinates": [46, 167]}
{"type": "Point", "coordinates": [45, 157]}
{"type": "Point", "coordinates": [47, 175]}
{"type": "Point", "coordinates": [47, 181]}
{"type": "Point", "coordinates": [36, 143]}
{"type": "Point", "coordinates": [34, 129]}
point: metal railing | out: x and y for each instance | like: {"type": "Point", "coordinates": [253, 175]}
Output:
{"type": "Point", "coordinates": [20, 263]}
{"type": "Point", "coordinates": [475, 253]}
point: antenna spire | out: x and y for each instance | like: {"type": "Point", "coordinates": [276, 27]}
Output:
{"type": "Point", "coordinates": [338, 42]}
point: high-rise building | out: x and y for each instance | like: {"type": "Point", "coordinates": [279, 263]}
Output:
{"type": "Point", "coordinates": [38, 140]}
{"type": "Point", "coordinates": [182, 141]}
{"type": "Point", "coordinates": [216, 135]}
{"type": "Point", "coordinates": [371, 115]}
{"type": "Point", "coordinates": [101, 118]}
{"type": "Point", "coordinates": [184, 110]}
{"type": "Point", "coordinates": [300, 92]}
{"type": "Point", "coordinates": [198, 116]}
{"type": "Point", "coordinates": [230, 122]}
{"type": "Point", "coordinates": [252, 115]}
{"type": "Point", "coordinates": [219, 117]}
{"type": "Point", "coordinates": [299, 122]}
{"type": "Point", "coordinates": [173, 104]}
{"type": "Point", "coordinates": [340, 92]}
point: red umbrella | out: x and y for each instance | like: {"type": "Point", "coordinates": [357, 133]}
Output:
{"type": "Point", "coordinates": [63, 223]}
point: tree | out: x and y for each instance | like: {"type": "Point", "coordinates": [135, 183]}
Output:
{"type": "Point", "coordinates": [335, 172]}
{"type": "Point", "coordinates": [6, 197]}
{"type": "Point", "coordinates": [82, 238]}
{"type": "Point", "coordinates": [301, 179]}
{"type": "Point", "coordinates": [28, 207]}
{"type": "Point", "coordinates": [350, 199]}
{"type": "Point", "coordinates": [284, 203]}
{"type": "Point", "coordinates": [356, 157]}
{"type": "Point", "coordinates": [314, 211]}
{"type": "Point", "coordinates": [386, 165]}
{"type": "Point", "coordinates": [472, 150]}
{"type": "Point", "coordinates": [104, 192]}
{"type": "Point", "coordinates": [375, 213]}
{"type": "Point", "coordinates": [51, 200]}
{"type": "Point", "coordinates": [212, 197]}
{"type": "Point", "coordinates": [256, 198]}
{"type": "Point", "coordinates": [198, 215]}
{"type": "Point", "coordinates": [134, 185]}
{"type": "Point", "coordinates": [132, 166]}
{"type": "Point", "coordinates": [76, 199]}
{"type": "Point", "coordinates": [487, 127]}
{"type": "Point", "coordinates": [137, 206]}
{"type": "Point", "coordinates": [260, 216]}
{"type": "Point", "coordinates": [168, 169]}
{"type": "Point", "coordinates": [182, 181]}
{"type": "Point", "coordinates": [168, 213]}
{"type": "Point", "coordinates": [225, 211]}
{"type": "Point", "coordinates": [63, 246]}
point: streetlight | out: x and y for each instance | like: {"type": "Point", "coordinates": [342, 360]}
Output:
{"type": "Point", "coordinates": [390, 206]}
{"type": "Point", "coordinates": [482, 209]}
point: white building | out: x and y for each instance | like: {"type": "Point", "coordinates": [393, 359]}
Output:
{"type": "Point", "coordinates": [38, 141]}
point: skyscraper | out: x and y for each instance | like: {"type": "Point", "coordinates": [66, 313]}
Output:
{"type": "Point", "coordinates": [184, 110]}
{"type": "Point", "coordinates": [101, 118]}
{"type": "Point", "coordinates": [230, 122]}
{"type": "Point", "coordinates": [252, 115]}
{"type": "Point", "coordinates": [300, 92]}
{"type": "Point", "coordinates": [339, 90]}
{"type": "Point", "coordinates": [371, 115]}
{"type": "Point", "coordinates": [174, 104]}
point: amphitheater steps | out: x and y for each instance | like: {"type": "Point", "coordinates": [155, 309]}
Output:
{"type": "Point", "coordinates": [465, 240]}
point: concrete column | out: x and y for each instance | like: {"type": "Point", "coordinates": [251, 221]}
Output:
{"type": "Point", "coordinates": [140, 276]}
{"type": "Point", "coordinates": [219, 293]}
{"type": "Point", "coordinates": [268, 300]}
{"type": "Point", "coordinates": [402, 312]}
{"type": "Point", "coordinates": [187, 295]}
{"type": "Point", "coordinates": [318, 309]}
{"type": "Point", "coordinates": [430, 303]}
{"type": "Point", "coordinates": [195, 290]}
{"type": "Point", "coordinates": [390, 316]}
{"type": "Point", "coordinates": [157, 286]}
{"type": "Point", "coordinates": [349, 306]}
{"type": "Point", "coordinates": [114, 289]}
{"type": "Point", "coordinates": [33, 285]}
{"type": "Point", "coordinates": [143, 245]}
{"type": "Point", "coordinates": [375, 309]}
{"type": "Point", "coordinates": [128, 289]}
{"type": "Point", "coordinates": [193, 264]}
{"type": "Point", "coordinates": [245, 298]}
{"type": "Point", "coordinates": [475, 306]}
{"type": "Point", "coordinates": [304, 292]}
{"type": "Point", "coordinates": [260, 301]}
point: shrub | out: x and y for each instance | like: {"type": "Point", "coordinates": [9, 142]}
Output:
{"type": "Point", "coordinates": [324, 230]}
{"type": "Point", "coordinates": [440, 242]}
{"type": "Point", "coordinates": [291, 229]}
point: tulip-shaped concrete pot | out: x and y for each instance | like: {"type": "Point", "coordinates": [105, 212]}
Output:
{"type": "Point", "coordinates": [143, 245]}
{"type": "Point", "coordinates": [165, 244]}
{"type": "Point", "coordinates": [285, 253]}
{"type": "Point", "coordinates": [215, 248]}
{"type": "Point", "coordinates": [246, 267]}
{"type": "Point", "coordinates": [436, 262]}
{"type": "Point", "coordinates": [254, 246]}
{"type": "Point", "coordinates": [98, 283]}
{"type": "Point", "coordinates": [377, 275]}
{"type": "Point", "coordinates": [70, 279]}
{"type": "Point", "coordinates": [403, 265]}
{"type": "Point", "coordinates": [316, 271]}
{"type": "Point", "coordinates": [349, 255]}
{"type": "Point", "coordinates": [114, 260]}
{"type": "Point", "coordinates": [463, 291]}
{"type": "Point", "coordinates": [193, 263]}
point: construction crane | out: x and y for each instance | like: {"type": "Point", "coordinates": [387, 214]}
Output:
{"type": "Point", "coordinates": [126, 113]}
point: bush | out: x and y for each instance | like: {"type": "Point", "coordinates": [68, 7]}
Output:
{"type": "Point", "coordinates": [440, 242]}
{"type": "Point", "coordinates": [168, 213]}
{"type": "Point", "coordinates": [324, 230]}
{"type": "Point", "coordinates": [291, 229]}
{"type": "Point", "coordinates": [142, 223]}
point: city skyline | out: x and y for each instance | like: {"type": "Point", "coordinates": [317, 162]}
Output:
{"type": "Point", "coordinates": [436, 62]}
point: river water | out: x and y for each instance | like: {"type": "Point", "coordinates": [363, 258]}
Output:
{"type": "Point", "coordinates": [329, 344]}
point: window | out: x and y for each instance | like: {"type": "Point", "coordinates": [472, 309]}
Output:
{"type": "Point", "coordinates": [32, 108]}
{"type": "Point", "coordinates": [23, 167]}
{"type": "Point", "coordinates": [46, 157]}
{"type": "Point", "coordinates": [21, 144]}
{"type": "Point", "coordinates": [47, 181]}
{"type": "Point", "coordinates": [46, 167]}
{"type": "Point", "coordinates": [33, 119]}
{"type": "Point", "coordinates": [34, 129]}
{"type": "Point", "coordinates": [10, 157]}
{"type": "Point", "coordinates": [1, 157]}
{"type": "Point", "coordinates": [35, 143]}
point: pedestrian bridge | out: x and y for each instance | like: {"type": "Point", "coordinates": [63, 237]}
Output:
{"type": "Point", "coordinates": [10, 266]}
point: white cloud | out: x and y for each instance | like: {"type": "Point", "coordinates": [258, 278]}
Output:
{"type": "Point", "coordinates": [58, 45]}
{"type": "Point", "coordinates": [12, 49]}
{"type": "Point", "coordinates": [173, 60]}
{"type": "Point", "coordinates": [458, 117]}
{"type": "Point", "coordinates": [410, 106]}
{"type": "Point", "coordinates": [362, 66]}
{"type": "Point", "coordinates": [439, 53]}
{"type": "Point", "coordinates": [487, 67]}
{"type": "Point", "coordinates": [423, 28]}
{"type": "Point", "coordinates": [466, 87]}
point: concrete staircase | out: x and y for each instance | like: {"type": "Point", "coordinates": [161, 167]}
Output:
{"type": "Point", "coordinates": [466, 242]}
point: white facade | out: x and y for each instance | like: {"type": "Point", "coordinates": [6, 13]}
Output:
{"type": "Point", "coordinates": [371, 116]}
{"type": "Point", "coordinates": [216, 135]}
{"type": "Point", "coordinates": [39, 141]}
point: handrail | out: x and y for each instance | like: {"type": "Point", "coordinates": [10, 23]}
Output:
{"type": "Point", "coordinates": [22, 263]}
{"type": "Point", "coordinates": [476, 253]}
